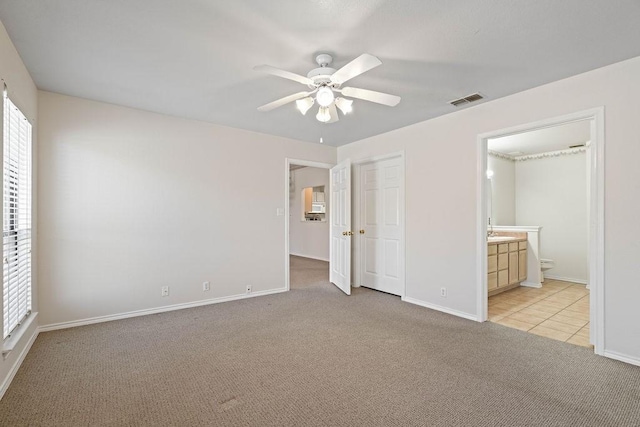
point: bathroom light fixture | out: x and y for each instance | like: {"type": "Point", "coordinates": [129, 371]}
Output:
{"type": "Point", "coordinates": [323, 114]}
{"type": "Point", "coordinates": [324, 96]}
{"type": "Point", "coordinates": [344, 105]}
{"type": "Point", "coordinates": [304, 104]}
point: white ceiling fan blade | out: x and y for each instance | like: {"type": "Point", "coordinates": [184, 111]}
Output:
{"type": "Point", "coordinates": [371, 95]}
{"type": "Point", "coordinates": [333, 112]}
{"type": "Point", "coordinates": [361, 64]}
{"type": "Point", "coordinates": [284, 74]}
{"type": "Point", "coordinates": [282, 101]}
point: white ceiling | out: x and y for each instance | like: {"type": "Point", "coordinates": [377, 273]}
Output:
{"type": "Point", "coordinates": [543, 140]}
{"type": "Point", "coordinates": [194, 58]}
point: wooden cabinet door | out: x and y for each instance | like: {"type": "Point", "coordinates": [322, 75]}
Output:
{"type": "Point", "coordinates": [513, 267]}
{"type": "Point", "coordinates": [492, 263]}
{"type": "Point", "coordinates": [492, 281]}
{"type": "Point", "coordinates": [503, 278]}
{"type": "Point", "coordinates": [522, 265]}
{"type": "Point", "coordinates": [503, 261]}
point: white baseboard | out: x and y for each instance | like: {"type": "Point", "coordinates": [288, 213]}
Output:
{"type": "Point", "coordinates": [531, 284]}
{"type": "Point", "coordinates": [622, 357]}
{"type": "Point", "coordinates": [310, 257]}
{"type": "Point", "coordinates": [14, 369]}
{"type": "Point", "coordinates": [100, 319]}
{"type": "Point", "coordinates": [440, 308]}
{"type": "Point", "coordinates": [565, 279]}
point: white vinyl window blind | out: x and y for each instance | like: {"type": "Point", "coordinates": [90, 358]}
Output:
{"type": "Point", "coordinates": [16, 214]}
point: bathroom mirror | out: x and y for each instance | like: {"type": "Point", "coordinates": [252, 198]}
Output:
{"type": "Point", "coordinates": [314, 207]}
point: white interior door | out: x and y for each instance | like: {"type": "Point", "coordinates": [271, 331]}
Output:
{"type": "Point", "coordinates": [340, 227]}
{"type": "Point", "coordinates": [381, 225]}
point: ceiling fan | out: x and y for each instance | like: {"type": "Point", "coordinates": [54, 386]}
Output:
{"type": "Point", "coordinates": [325, 84]}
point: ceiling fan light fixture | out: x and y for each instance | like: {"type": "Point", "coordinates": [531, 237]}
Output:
{"type": "Point", "coordinates": [304, 104]}
{"type": "Point", "coordinates": [323, 115]}
{"type": "Point", "coordinates": [345, 105]}
{"type": "Point", "coordinates": [325, 96]}
{"type": "Point", "coordinates": [325, 88]}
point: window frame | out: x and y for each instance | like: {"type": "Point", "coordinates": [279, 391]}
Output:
{"type": "Point", "coordinates": [17, 201]}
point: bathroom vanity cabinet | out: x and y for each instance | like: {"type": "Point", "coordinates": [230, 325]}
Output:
{"type": "Point", "coordinates": [507, 263]}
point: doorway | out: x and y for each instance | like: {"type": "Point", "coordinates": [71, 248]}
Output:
{"type": "Point", "coordinates": [525, 295]}
{"type": "Point", "coordinates": [307, 213]}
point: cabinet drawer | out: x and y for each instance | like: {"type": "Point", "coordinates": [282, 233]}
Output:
{"type": "Point", "coordinates": [492, 281]}
{"type": "Point", "coordinates": [522, 245]}
{"type": "Point", "coordinates": [492, 249]}
{"type": "Point", "coordinates": [492, 263]}
{"type": "Point", "coordinates": [503, 278]}
{"type": "Point", "coordinates": [513, 247]}
{"type": "Point", "coordinates": [503, 248]}
{"type": "Point", "coordinates": [503, 261]}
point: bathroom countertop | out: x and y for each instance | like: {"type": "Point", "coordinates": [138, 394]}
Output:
{"type": "Point", "coordinates": [505, 239]}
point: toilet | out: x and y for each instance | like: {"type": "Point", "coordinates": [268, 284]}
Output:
{"type": "Point", "coordinates": [546, 264]}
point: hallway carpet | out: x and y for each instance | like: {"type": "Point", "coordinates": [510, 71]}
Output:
{"type": "Point", "coordinates": [315, 357]}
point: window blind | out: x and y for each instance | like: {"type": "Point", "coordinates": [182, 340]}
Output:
{"type": "Point", "coordinates": [16, 210]}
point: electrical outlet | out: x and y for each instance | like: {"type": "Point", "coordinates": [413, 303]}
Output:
{"type": "Point", "coordinates": [206, 286]}
{"type": "Point", "coordinates": [443, 292]}
{"type": "Point", "coordinates": [248, 289]}
{"type": "Point", "coordinates": [165, 291]}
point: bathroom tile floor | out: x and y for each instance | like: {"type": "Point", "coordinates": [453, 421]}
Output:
{"type": "Point", "coordinates": [559, 310]}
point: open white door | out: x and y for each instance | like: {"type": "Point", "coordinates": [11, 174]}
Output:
{"type": "Point", "coordinates": [340, 227]}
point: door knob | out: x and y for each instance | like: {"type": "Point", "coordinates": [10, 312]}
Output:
{"type": "Point", "coordinates": [361, 231]}
{"type": "Point", "coordinates": [344, 233]}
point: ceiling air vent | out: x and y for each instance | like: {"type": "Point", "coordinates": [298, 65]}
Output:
{"type": "Point", "coordinates": [466, 99]}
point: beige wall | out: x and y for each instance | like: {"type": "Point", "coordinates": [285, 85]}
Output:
{"type": "Point", "coordinates": [23, 93]}
{"type": "Point", "coordinates": [441, 173]}
{"type": "Point", "coordinates": [132, 201]}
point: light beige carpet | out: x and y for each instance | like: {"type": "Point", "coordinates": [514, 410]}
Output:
{"type": "Point", "coordinates": [315, 357]}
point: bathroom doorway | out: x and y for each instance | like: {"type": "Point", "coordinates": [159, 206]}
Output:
{"type": "Point", "coordinates": [540, 240]}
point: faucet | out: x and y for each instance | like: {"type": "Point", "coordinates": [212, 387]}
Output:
{"type": "Point", "coordinates": [490, 232]}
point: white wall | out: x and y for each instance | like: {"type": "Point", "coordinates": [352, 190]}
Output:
{"type": "Point", "coordinates": [23, 93]}
{"type": "Point", "coordinates": [132, 201]}
{"type": "Point", "coordinates": [503, 186]}
{"type": "Point", "coordinates": [441, 174]}
{"type": "Point", "coordinates": [552, 192]}
{"type": "Point", "coordinates": [308, 238]}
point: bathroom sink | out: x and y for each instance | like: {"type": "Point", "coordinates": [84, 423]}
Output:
{"type": "Point", "coordinates": [500, 238]}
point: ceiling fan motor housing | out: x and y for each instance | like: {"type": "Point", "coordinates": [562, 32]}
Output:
{"type": "Point", "coordinates": [322, 76]}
